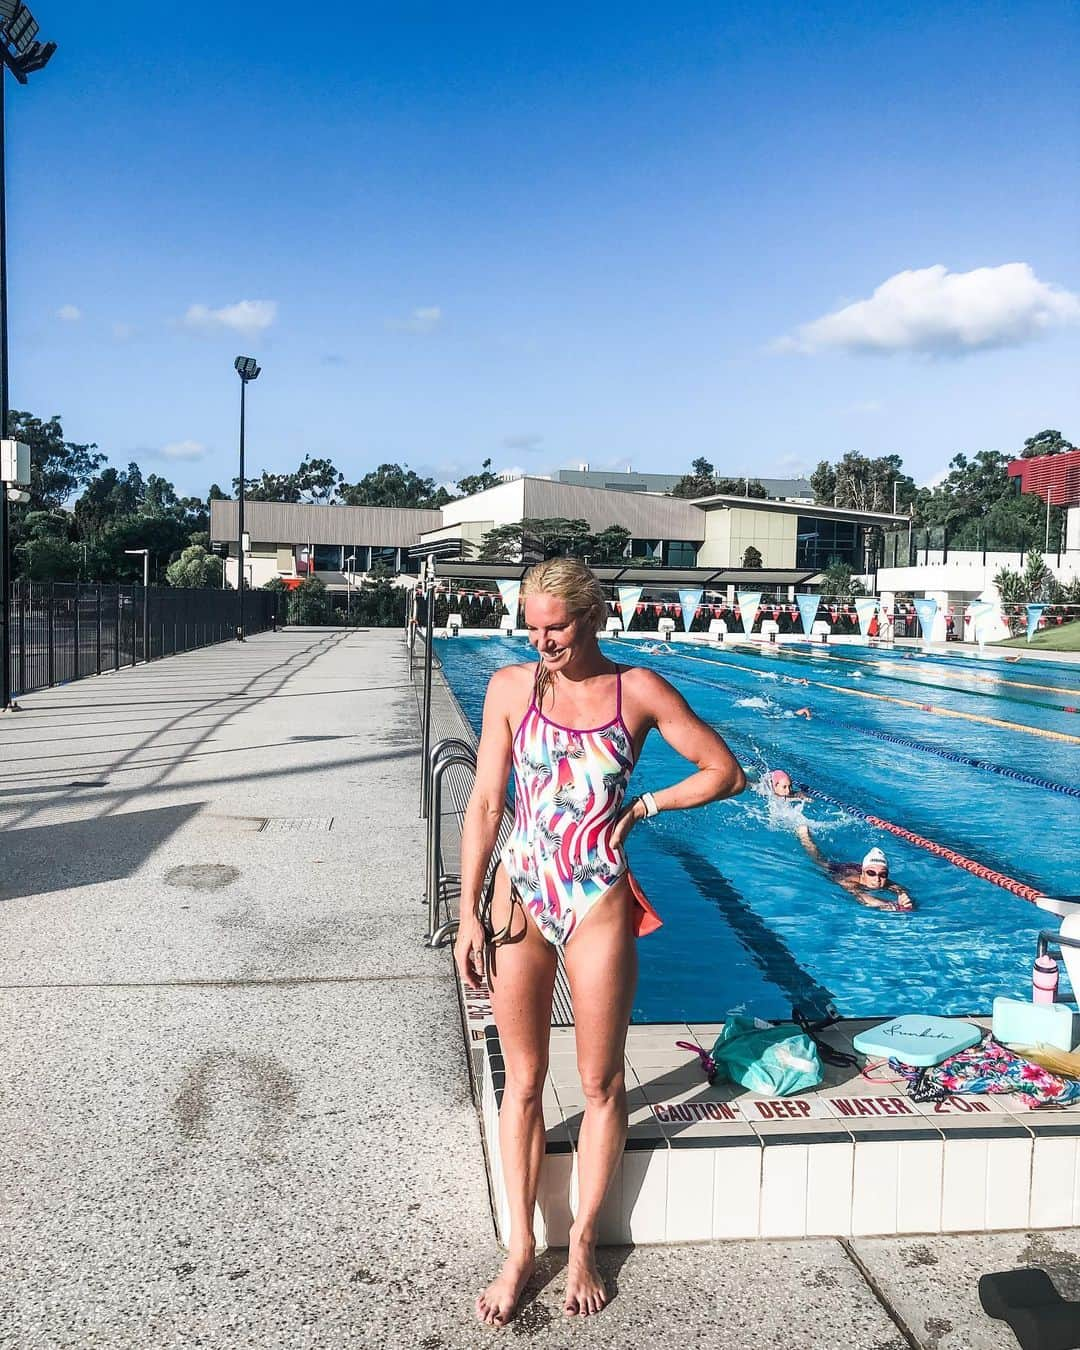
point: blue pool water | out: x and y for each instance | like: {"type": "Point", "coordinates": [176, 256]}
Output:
{"type": "Point", "coordinates": [750, 923]}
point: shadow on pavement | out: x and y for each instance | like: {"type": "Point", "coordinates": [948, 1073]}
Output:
{"type": "Point", "coordinates": [56, 857]}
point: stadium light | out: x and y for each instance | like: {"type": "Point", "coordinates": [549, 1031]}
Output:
{"type": "Point", "coordinates": [248, 369]}
{"type": "Point", "coordinates": [22, 54]}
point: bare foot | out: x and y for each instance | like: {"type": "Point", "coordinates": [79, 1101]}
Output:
{"type": "Point", "coordinates": [585, 1290]}
{"type": "Point", "coordinates": [498, 1304]}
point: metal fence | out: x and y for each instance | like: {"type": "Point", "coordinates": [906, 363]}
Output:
{"type": "Point", "coordinates": [62, 631]}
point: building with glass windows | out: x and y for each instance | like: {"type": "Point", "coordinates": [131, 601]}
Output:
{"type": "Point", "coordinates": [294, 540]}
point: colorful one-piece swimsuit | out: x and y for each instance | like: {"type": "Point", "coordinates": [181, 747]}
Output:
{"type": "Point", "coordinates": [569, 788]}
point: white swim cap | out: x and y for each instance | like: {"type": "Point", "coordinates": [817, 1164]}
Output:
{"type": "Point", "coordinates": [875, 856]}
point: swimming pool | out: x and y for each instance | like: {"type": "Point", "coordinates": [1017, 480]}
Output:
{"type": "Point", "coordinates": [750, 924]}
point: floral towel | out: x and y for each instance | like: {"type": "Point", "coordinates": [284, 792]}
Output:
{"type": "Point", "coordinates": [988, 1067]}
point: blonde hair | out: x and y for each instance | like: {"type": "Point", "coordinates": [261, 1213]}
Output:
{"type": "Point", "coordinates": [569, 580]}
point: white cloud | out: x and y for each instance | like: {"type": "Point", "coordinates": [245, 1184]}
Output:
{"type": "Point", "coordinates": [932, 310]}
{"type": "Point", "coordinates": [423, 320]}
{"type": "Point", "coordinates": [247, 317]}
{"type": "Point", "coordinates": [524, 441]}
{"type": "Point", "coordinates": [866, 405]}
{"type": "Point", "coordinates": [185, 450]}
{"type": "Point", "coordinates": [122, 332]}
{"type": "Point", "coordinates": [69, 313]}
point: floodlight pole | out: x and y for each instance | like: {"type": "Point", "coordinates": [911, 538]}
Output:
{"type": "Point", "coordinates": [240, 526]}
{"type": "Point", "coordinates": [247, 369]}
{"type": "Point", "coordinates": [5, 568]}
{"type": "Point", "coordinates": [28, 56]}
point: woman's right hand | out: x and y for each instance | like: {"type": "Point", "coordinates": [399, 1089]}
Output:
{"type": "Point", "coordinates": [469, 951]}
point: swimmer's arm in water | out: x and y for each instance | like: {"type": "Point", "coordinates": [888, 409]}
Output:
{"type": "Point", "coordinates": [803, 831]}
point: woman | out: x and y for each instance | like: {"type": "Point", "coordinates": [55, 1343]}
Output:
{"type": "Point", "coordinates": [571, 726]}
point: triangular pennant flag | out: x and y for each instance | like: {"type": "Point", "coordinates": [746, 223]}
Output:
{"type": "Point", "coordinates": [748, 604]}
{"type": "Point", "coordinates": [981, 613]}
{"type": "Point", "coordinates": [690, 601]}
{"type": "Point", "coordinates": [808, 608]}
{"type": "Point", "coordinates": [926, 610]}
{"type": "Point", "coordinates": [1034, 614]}
{"type": "Point", "coordinates": [628, 598]}
{"type": "Point", "coordinates": [865, 608]}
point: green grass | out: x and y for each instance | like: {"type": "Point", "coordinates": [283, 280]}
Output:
{"type": "Point", "coordinates": [1063, 639]}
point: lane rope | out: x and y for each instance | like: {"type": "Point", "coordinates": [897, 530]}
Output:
{"type": "Point", "coordinates": [965, 674]}
{"type": "Point", "coordinates": [908, 703]}
{"type": "Point", "coordinates": [1018, 888]}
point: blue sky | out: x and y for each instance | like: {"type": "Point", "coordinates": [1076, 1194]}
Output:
{"type": "Point", "coordinates": [626, 234]}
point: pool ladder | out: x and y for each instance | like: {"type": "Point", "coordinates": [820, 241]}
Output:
{"type": "Point", "coordinates": [450, 753]}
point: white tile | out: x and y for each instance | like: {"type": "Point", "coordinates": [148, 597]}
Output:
{"type": "Point", "coordinates": [737, 1191]}
{"type": "Point", "coordinates": [690, 1194]}
{"type": "Point", "coordinates": [1008, 1183]}
{"type": "Point", "coordinates": [611, 1226]}
{"type": "Point", "coordinates": [502, 1211]}
{"type": "Point", "coordinates": [1053, 1177]}
{"type": "Point", "coordinates": [644, 1194]}
{"type": "Point", "coordinates": [963, 1188]}
{"type": "Point", "coordinates": [783, 1190]}
{"type": "Point", "coordinates": [553, 1214]}
{"type": "Point", "coordinates": [918, 1192]}
{"type": "Point", "coordinates": [875, 1186]}
{"type": "Point", "coordinates": [830, 1168]}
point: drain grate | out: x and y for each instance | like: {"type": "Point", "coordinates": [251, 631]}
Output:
{"type": "Point", "coordinates": [297, 824]}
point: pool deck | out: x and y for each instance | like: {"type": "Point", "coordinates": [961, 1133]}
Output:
{"type": "Point", "coordinates": [236, 1103]}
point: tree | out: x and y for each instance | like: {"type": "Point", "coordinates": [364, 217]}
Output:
{"type": "Point", "coordinates": [739, 487]}
{"type": "Point", "coordinates": [839, 580]}
{"type": "Point", "coordinates": [393, 485]}
{"type": "Point", "coordinates": [309, 602]}
{"type": "Point", "coordinates": [58, 468]}
{"type": "Point", "coordinates": [1046, 443]}
{"type": "Point", "coordinates": [503, 543]}
{"type": "Point", "coordinates": [609, 545]}
{"type": "Point", "coordinates": [823, 483]}
{"type": "Point", "coordinates": [48, 558]}
{"type": "Point", "coordinates": [109, 495]}
{"type": "Point", "coordinates": [195, 567]}
{"type": "Point", "coordinates": [702, 481]}
{"type": "Point", "coordinates": [698, 482]}
{"type": "Point", "coordinates": [863, 484]}
{"type": "Point", "coordinates": [752, 558]}
{"type": "Point", "coordinates": [478, 482]}
{"type": "Point", "coordinates": [319, 481]}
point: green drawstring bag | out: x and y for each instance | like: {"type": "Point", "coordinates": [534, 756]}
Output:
{"type": "Point", "coordinates": [762, 1058]}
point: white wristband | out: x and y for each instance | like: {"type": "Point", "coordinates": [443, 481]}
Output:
{"type": "Point", "coordinates": [648, 801]}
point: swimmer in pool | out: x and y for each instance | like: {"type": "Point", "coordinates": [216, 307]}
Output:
{"type": "Point", "coordinates": [862, 880]}
{"type": "Point", "coordinates": [780, 785]}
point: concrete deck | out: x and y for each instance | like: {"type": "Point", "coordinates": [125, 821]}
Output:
{"type": "Point", "coordinates": [234, 1100]}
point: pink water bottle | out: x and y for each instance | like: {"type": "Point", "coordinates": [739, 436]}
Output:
{"type": "Point", "coordinates": [1044, 979]}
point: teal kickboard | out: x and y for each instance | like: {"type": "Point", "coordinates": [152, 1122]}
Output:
{"type": "Point", "coordinates": [921, 1041]}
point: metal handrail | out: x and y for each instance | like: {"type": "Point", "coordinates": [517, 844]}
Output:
{"type": "Point", "coordinates": [1048, 939]}
{"type": "Point", "coordinates": [444, 756]}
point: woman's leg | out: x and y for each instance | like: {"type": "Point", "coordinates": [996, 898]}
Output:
{"type": "Point", "coordinates": [522, 979]}
{"type": "Point", "coordinates": [601, 962]}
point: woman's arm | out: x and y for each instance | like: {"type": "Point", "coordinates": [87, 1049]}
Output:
{"type": "Point", "coordinates": [483, 815]}
{"type": "Point", "coordinates": [718, 772]}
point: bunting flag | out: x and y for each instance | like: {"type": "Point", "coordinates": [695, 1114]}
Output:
{"type": "Point", "coordinates": [865, 609]}
{"type": "Point", "coordinates": [628, 598]}
{"type": "Point", "coordinates": [1034, 614]}
{"type": "Point", "coordinates": [509, 591]}
{"type": "Point", "coordinates": [808, 608]}
{"type": "Point", "coordinates": [926, 610]}
{"type": "Point", "coordinates": [691, 603]}
{"type": "Point", "coordinates": [749, 602]}
{"type": "Point", "coordinates": [981, 613]}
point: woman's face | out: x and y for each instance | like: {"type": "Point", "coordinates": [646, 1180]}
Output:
{"type": "Point", "coordinates": [557, 637]}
